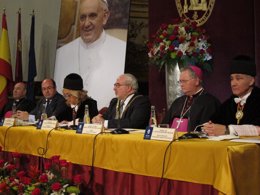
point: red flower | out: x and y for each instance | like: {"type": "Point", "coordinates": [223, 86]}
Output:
{"type": "Point", "coordinates": [26, 180]}
{"type": "Point", "coordinates": [56, 186]}
{"type": "Point", "coordinates": [21, 174]}
{"type": "Point", "coordinates": [172, 37]}
{"type": "Point", "coordinates": [10, 167]}
{"type": "Point", "coordinates": [47, 165]}
{"type": "Point", "coordinates": [63, 163]}
{"type": "Point", "coordinates": [43, 178]}
{"type": "Point", "coordinates": [77, 179]}
{"type": "Point", "coordinates": [36, 191]}
{"type": "Point", "coordinates": [162, 47]}
{"type": "Point", "coordinates": [181, 39]}
{"type": "Point", "coordinates": [192, 44]}
{"type": "Point", "coordinates": [171, 48]}
{"type": "Point", "coordinates": [3, 187]}
{"type": "Point", "coordinates": [179, 54]}
{"type": "Point", "coordinates": [2, 162]}
{"type": "Point", "coordinates": [33, 171]}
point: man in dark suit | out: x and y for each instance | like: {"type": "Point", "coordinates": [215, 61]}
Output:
{"type": "Point", "coordinates": [52, 103]}
{"type": "Point", "coordinates": [129, 109]}
{"type": "Point", "coordinates": [18, 102]}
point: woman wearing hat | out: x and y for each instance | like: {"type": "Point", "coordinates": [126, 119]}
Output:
{"type": "Point", "coordinates": [77, 98]}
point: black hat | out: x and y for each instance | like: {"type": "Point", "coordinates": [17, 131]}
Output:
{"type": "Point", "coordinates": [243, 65]}
{"type": "Point", "coordinates": [73, 81]}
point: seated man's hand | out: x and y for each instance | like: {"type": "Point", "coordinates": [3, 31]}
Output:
{"type": "Point", "coordinates": [213, 129]}
{"type": "Point", "coordinates": [22, 115]}
{"type": "Point", "coordinates": [98, 119]}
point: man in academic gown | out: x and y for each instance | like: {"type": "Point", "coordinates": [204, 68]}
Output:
{"type": "Point", "coordinates": [129, 109]}
{"type": "Point", "coordinates": [96, 56]}
{"type": "Point", "coordinates": [244, 104]}
{"type": "Point", "coordinates": [195, 107]}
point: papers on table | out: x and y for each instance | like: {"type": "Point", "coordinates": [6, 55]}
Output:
{"type": "Point", "coordinates": [222, 137]}
{"type": "Point", "coordinates": [247, 140]}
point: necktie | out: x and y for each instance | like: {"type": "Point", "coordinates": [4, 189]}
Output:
{"type": "Point", "coordinates": [47, 102]}
{"type": "Point", "coordinates": [74, 115]}
{"type": "Point", "coordinates": [121, 108]}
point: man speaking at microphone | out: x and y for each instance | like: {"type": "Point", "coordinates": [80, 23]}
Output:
{"type": "Point", "coordinates": [128, 109]}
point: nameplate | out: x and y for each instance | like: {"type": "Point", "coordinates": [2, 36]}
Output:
{"type": "Point", "coordinates": [89, 128]}
{"type": "Point", "coordinates": [49, 124]}
{"type": "Point", "coordinates": [92, 128]}
{"type": "Point", "coordinates": [8, 122]}
{"type": "Point", "coordinates": [165, 134]}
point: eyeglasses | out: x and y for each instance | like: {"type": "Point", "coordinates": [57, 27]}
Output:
{"type": "Point", "coordinates": [117, 85]}
{"type": "Point", "coordinates": [184, 81]}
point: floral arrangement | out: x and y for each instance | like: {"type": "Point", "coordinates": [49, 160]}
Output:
{"type": "Point", "coordinates": [51, 181]}
{"type": "Point", "coordinates": [182, 42]}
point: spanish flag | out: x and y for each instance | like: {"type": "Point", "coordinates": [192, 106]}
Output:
{"type": "Point", "coordinates": [6, 76]}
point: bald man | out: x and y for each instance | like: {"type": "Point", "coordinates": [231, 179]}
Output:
{"type": "Point", "coordinates": [19, 101]}
{"type": "Point", "coordinates": [52, 101]}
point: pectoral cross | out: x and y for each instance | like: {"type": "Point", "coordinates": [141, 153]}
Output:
{"type": "Point", "coordinates": [179, 123]}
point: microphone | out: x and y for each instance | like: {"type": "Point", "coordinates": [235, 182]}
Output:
{"type": "Point", "coordinates": [195, 133]}
{"type": "Point", "coordinates": [119, 130]}
{"type": "Point", "coordinates": [74, 115]}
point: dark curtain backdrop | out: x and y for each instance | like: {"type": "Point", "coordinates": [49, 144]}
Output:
{"type": "Point", "coordinates": [233, 27]}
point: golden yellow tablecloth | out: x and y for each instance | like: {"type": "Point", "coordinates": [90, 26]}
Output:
{"type": "Point", "coordinates": [232, 168]}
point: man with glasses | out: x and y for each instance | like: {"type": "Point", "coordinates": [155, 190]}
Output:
{"type": "Point", "coordinates": [128, 109]}
{"type": "Point", "coordinates": [52, 103]}
{"type": "Point", "coordinates": [195, 107]}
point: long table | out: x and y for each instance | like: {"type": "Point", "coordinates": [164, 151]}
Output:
{"type": "Point", "coordinates": [229, 167]}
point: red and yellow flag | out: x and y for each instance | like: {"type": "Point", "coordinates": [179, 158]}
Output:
{"type": "Point", "coordinates": [6, 76]}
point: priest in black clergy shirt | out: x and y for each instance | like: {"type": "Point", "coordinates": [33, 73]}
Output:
{"type": "Point", "coordinates": [128, 109]}
{"type": "Point", "coordinates": [19, 100]}
{"type": "Point", "coordinates": [195, 107]}
{"type": "Point", "coordinates": [53, 102]}
{"type": "Point", "coordinates": [244, 104]}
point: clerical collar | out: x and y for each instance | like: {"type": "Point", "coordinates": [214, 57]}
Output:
{"type": "Point", "coordinates": [197, 93]}
{"type": "Point", "coordinates": [242, 100]}
{"type": "Point", "coordinates": [96, 43]}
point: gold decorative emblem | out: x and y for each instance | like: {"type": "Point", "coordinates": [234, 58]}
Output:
{"type": "Point", "coordinates": [239, 115]}
{"type": "Point", "coordinates": [195, 10]}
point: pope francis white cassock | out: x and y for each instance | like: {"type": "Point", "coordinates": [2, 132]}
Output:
{"type": "Point", "coordinates": [98, 63]}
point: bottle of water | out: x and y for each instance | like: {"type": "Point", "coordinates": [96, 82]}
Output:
{"type": "Point", "coordinates": [153, 120]}
{"type": "Point", "coordinates": [86, 115]}
{"type": "Point", "coordinates": [14, 109]}
{"type": "Point", "coordinates": [44, 114]}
